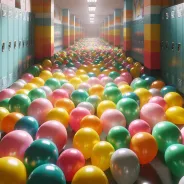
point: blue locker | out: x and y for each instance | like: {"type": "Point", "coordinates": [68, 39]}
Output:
{"type": "Point", "coordinates": [15, 44]}
{"type": "Point", "coordinates": [4, 45]}
{"type": "Point", "coordinates": [24, 41]}
{"type": "Point", "coordinates": [27, 40]}
{"type": "Point", "coordinates": [1, 63]}
{"type": "Point", "coordinates": [10, 45]}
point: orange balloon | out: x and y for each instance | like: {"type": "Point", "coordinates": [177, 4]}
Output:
{"type": "Point", "coordinates": [9, 121]}
{"type": "Point", "coordinates": [91, 121]}
{"type": "Point", "coordinates": [47, 63]}
{"type": "Point", "coordinates": [158, 84]}
{"type": "Point", "coordinates": [106, 72]}
{"type": "Point", "coordinates": [145, 147]}
{"type": "Point", "coordinates": [96, 71]}
{"type": "Point", "coordinates": [96, 90]}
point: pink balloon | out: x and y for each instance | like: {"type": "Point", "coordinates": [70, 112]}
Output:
{"type": "Point", "coordinates": [15, 144]}
{"type": "Point", "coordinates": [77, 64]}
{"type": "Point", "coordinates": [47, 90]}
{"type": "Point", "coordinates": [120, 79]}
{"type": "Point", "coordinates": [39, 109]}
{"type": "Point", "coordinates": [6, 93]}
{"type": "Point", "coordinates": [17, 85]}
{"type": "Point", "coordinates": [84, 86]}
{"type": "Point", "coordinates": [56, 71]}
{"type": "Point", "coordinates": [101, 76]}
{"type": "Point", "coordinates": [137, 126]}
{"type": "Point", "coordinates": [182, 133]}
{"type": "Point", "coordinates": [27, 77]}
{"type": "Point", "coordinates": [111, 118]}
{"type": "Point", "coordinates": [152, 113]}
{"type": "Point", "coordinates": [160, 101]}
{"type": "Point", "coordinates": [70, 161]}
{"type": "Point", "coordinates": [87, 106]}
{"type": "Point", "coordinates": [127, 76]}
{"type": "Point", "coordinates": [55, 131]}
{"type": "Point", "coordinates": [22, 81]}
{"type": "Point", "coordinates": [68, 72]}
{"type": "Point", "coordinates": [105, 80]}
{"type": "Point", "coordinates": [68, 88]}
{"type": "Point", "coordinates": [93, 81]}
{"type": "Point", "coordinates": [48, 68]}
{"type": "Point", "coordinates": [57, 95]}
{"type": "Point", "coordinates": [76, 116]}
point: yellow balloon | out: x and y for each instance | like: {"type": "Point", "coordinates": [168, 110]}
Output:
{"type": "Point", "coordinates": [3, 112]}
{"type": "Point", "coordinates": [96, 90]}
{"type": "Point", "coordinates": [144, 95]}
{"type": "Point", "coordinates": [125, 88]}
{"type": "Point", "coordinates": [80, 72]}
{"type": "Point", "coordinates": [12, 171]}
{"type": "Point", "coordinates": [59, 114]}
{"type": "Point", "coordinates": [84, 140]}
{"type": "Point", "coordinates": [84, 77]}
{"type": "Point", "coordinates": [30, 86]}
{"type": "Point", "coordinates": [105, 105]}
{"type": "Point", "coordinates": [45, 75]}
{"type": "Point", "coordinates": [59, 76]}
{"type": "Point", "coordinates": [175, 115]}
{"type": "Point", "coordinates": [135, 72]}
{"type": "Point", "coordinates": [173, 99]}
{"type": "Point", "coordinates": [130, 60]}
{"type": "Point", "coordinates": [75, 81]}
{"type": "Point", "coordinates": [96, 71]}
{"type": "Point", "coordinates": [90, 175]}
{"type": "Point", "coordinates": [22, 92]}
{"type": "Point", "coordinates": [101, 155]}
{"type": "Point", "coordinates": [38, 81]}
{"type": "Point", "coordinates": [47, 63]}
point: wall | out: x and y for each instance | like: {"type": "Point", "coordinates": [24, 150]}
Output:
{"type": "Point", "coordinates": [92, 30]}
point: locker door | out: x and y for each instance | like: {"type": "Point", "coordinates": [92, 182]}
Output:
{"type": "Point", "coordinates": [24, 34]}
{"type": "Point", "coordinates": [10, 45]}
{"type": "Point", "coordinates": [4, 45]}
{"type": "Point", "coordinates": [183, 53]}
{"type": "Point", "coordinates": [20, 43]}
{"type": "Point", "coordinates": [29, 39]}
{"type": "Point", "coordinates": [15, 44]}
{"type": "Point", "coordinates": [1, 63]}
{"type": "Point", "coordinates": [179, 47]}
{"type": "Point", "coordinates": [32, 37]}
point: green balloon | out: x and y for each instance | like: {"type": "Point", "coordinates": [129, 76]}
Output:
{"type": "Point", "coordinates": [111, 84]}
{"type": "Point", "coordinates": [63, 82]}
{"type": "Point", "coordinates": [37, 93]}
{"type": "Point", "coordinates": [79, 96]}
{"type": "Point", "coordinates": [19, 103]}
{"type": "Point", "coordinates": [150, 79]}
{"type": "Point", "coordinates": [34, 70]}
{"type": "Point", "coordinates": [53, 84]}
{"type": "Point", "coordinates": [70, 65]}
{"type": "Point", "coordinates": [5, 103]}
{"type": "Point", "coordinates": [112, 94]}
{"type": "Point", "coordinates": [114, 75]}
{"type": "Point", "coordinates": [102, 69]}
{"type": "Point", "coordinates": [119, 137]}
{"type": "Point", "coordinates": [28, 124]}
{"type": "Point", "coordinates": [143, 76]}
{"type": "Point", "coordinates": [167, 89]}
{"type": "Point", "coordinates": [91, 74]}
{"type": "Point", "coordinates": [166, 134]}
{"type": "Point", "coordinates": [41, 151]}
{"type": "Point", "coordinates": [175, 160]}
{"type": "Point", "coordinates": [58, 63]}
{"type": "Point", "coordinates": [94, 100]}
{"type": "Point", "coordinates": [129, 108]}
{"type": "Point", "coordinates": [131, 95]}
{"type": "Point", "coordinates": [47, 174]}
{"type": "Point", "coordinates": [141, 84]}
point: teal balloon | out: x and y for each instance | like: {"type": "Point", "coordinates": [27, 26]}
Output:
{"type": "Point", "coordinates": [19, 103]}
{"type": "Point", "coordinates": [79, 96]}
{"type": "Point", "coordinates": [47, 174]}
{"type": "Point", "coordinates": [111, 84]}
{"type": "Point", "coordinates": [114, 75]}
{"type": "Point", "coordinates": [150, 80]}
{"type": "Point", "coordinates": [166, 134]}
{"type": "Point", "coordinates": [37, 93]}
{"type": "Point", "coordinates": [129, 108]}
{"type": "Point", "coordinates": [63, 82]}
{"type": "Point", "coordinates": [34, 70]}
{"type": "Point", "coordinates": [58, 63]}
{"type": "Point", "coordinates": [141, 84]}
{"type": "Point", "coordinates": [70, 65]}
{"type": "Point", "coordinates": [112, 94]}
{"type": "Point", "coordinates": [94, 100]}
{"type": "Point", "coordinates": [5, 103]}
{"type": "Point", "coordinates": [167, 89]}
{"type": "Point", "coordinates": [143, 76]}
{"type": "Point", "coordinates": [102, 69]}
{"type": "Point", "coordinates": [53, 84]}
{"type": "Point", "coordinates": [119, 137]}
{"type": "Point", "coordinates": [131, 95]}
{"type": "Point", "coordinates": [91, 74]}
{"type": "Point", "coordinates": [28, 124]}
{"type": "Point", "coordinates": [41, 151]}
{"type": "Point", "coordinates": [175, 160]}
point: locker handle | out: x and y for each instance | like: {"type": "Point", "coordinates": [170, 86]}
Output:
{"type": "Point", "coordinates": [162, 44]}
{"type": "Point", "coordinates": [3, 46]}
{"type": "Point", "coordinates": [9, 46]}
{"type": "Point", "coordinates": [179, 47]}
{"type": "Point", "coordinates": [23, 44]}
{"type": "Point", "coordinates": [20, 43]}
{"type": "Point", "coordinates": [172, 46]}
{"type": "Point", "coordinates": [15, 44]}
{"type": "Point", "coordinates": [167, 44]}
{"type": "Point", "coordinates": [27, 43]}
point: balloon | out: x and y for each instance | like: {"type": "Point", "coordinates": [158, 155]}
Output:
{"type": "Point", "coordinates": [160, 101]}
{"type": "Point", "coordinates": [12, 170]}
{"type": "Point", "coordinates": [76, 81]}
{"type": "Point", "coordinates": [84, 86]}
{"type": "Point", "coordinates": [84, 140]}
{"type": "Point", "coordinates": [166, 134]}
{"type": "Point", "coordinates": [110, 84]}
{"type": "Point", "coordinates": [132, 96]}
{"type": "Point", "coordinates": [129, 108]}
{"type": "Point", "coordinates": [53, 84]}
{"type": "Point", "coordinates": [47, 90]}
{"type": "Point", "coordinates": [15, 144]}
{"type": "Point", "coordinates": [27, 77]}
{"type": "Point", "coordinates": [91, 121]}
{"type": "Point", "coordinates": [167, 89]}
{"type": "Point", "coordinates": [55, 131]}
{"type": "Point", "coordinates": [39, 109]}
{"type": "Point", "coordinates": [9, 121]}
{"type": "Point", "coordinates": [5, 103]}
{"type": "Point", "coordinates": [3, 113]}
{"type": "Point", "coordinates": [96, 90]}
{"type": "Point", "coordinates": [124, 166]}
{"type": "Point", "coordinates": [143, 76]}
{"type": "Point", "coordinates": [45, 75]}
{"type": "Point", "coordinates": [94, 100]}
{"type": "Point", "coordinates": [141, 84]}
{"type": "Point", "coordinates": [79, 96]}
{"type": "Point", "coordinates": [137, 126]}
{"type": "Point", "coordinates": [68, 88]}
{"type": "Point", "coordinates": [16, 86]}
{"type": "Point", "coordinates": [157, 84]}
{"type": "Point", "coordinates": [150, 80]}
{"type": "Point", "coordinates": [21, 81]}
{"type": "Point", "coordinates": [127, 76]}
{"type": "Point", "coordinates": [47, 63]}
{"type": "Point", "coordinates": [38, 81]}
{"type": "Point", "coordinates": [34, 70]}
{"type": "Point", "coordinates": [66, 104]}
{"type": "Point", "coordinates": [101, 155]}
{"type": "Point", "coordinates": [105, 105]}
{"type": "Point", "coordinates": [84, 77]}
{"type": "Point", "coordinates": [173, 99]}
{"type": "Point", "coordinates": [59, 76]}
{"type": "Point", "coordinates": [145, 147]}
{"type": "Point", "coordinates": [155, 92]}
{"type": "Point", "coordinates": [47, 174]}
{"type": "Point", "coordinates": [119, 137]}
{"type": "Point", "coordinates": [36, 93]}
{"type": "Point", "coordinates": [87, 106]}
{"type": "Point", "coordinates": [174, 159]}
{"type": "Point", "coordinates": [135, 72]}
{"type": "Point", "coordinates": [125, 89]}
{"type": "Point", "coordinates": [182, 134]}
{"type": "Point", "coordinates": [41, 151]}
{"type": "Point", "coordinates": [105, 80]}
{"type": "Point", "coordinates": [30, 86]}
{"type": "Point", "coordinates": [6, 93]}
{"type": "Point", "coordinates": [114, 75]}
{"type": "Point", "coordinates": [22, 92]}
{"type": "Point", "coordinates": [70, 161]}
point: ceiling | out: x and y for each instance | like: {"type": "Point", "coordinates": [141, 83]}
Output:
{"type": "Point", "coordinates": [80, 8]}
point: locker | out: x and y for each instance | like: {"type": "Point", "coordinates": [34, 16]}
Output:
{"type": "Point", "coordinates": [4, 45]}
{"type": "Point", "coordinates": [183, 54]}
{"type": "Point", "coordinates": [179, 34]}
{"type": "Point", "coordinates": [1, 63]}
{"type": "Point", "coordinates": [27, 40]}
{"type": "Point", "coordinates": [32, 37]}
{"type": "Point", "coordinates": [15, 44]}
{"type": "Point", "coordinates": [162, 51]}
{"type": "Point", "coordinates": [10, 45]}
{"type": "Point", "coordinates": [24, 40]}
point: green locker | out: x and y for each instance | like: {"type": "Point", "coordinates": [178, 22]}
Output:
{"type": "Point", "coordinates": [27, 40]}
{"type": "Point", "coordinates": [10, 45]}
{"type": "Point", "coordinates": [15, 44]}
{"type": "Point", "coordinates": [179, 30]}
{"type": "Point", "coordinates": [4, 46]}
{"type": "Point", "coordinates": [24, 40]}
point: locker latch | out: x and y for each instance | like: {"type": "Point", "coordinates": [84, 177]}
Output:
{"type": "Point", "coordinates": [20, 43]}
{"type": "Point", "coordinates": [15, 44]}
{"type": "Point", "coordinates": [162, 44]}
{"type": "Point", "coordinates": [179, 47]}
{"type": "Point", "coordinates": [3, 46]}
{"type": "Point", "coordinates": [23, 44]}
{"type": "Point", "coordinates": [9, 46]}
{"type": "Point", "coordinates": [27, 43]}
{"type": "Point", "coordinates": [172, 46]}
{"type": "Point", "coordinates": [166, 44]}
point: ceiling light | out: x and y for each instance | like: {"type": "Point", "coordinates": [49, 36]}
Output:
{"type": "Point", "coordinates": [91, 22]}
{"type": "Point", "coordinates": [92, 8]}
{"type": "Point", "coordinates": [91, 18]}
{"type": "Point", "coordinates": [91, 1]}
{"type": "Point", "coordinates": [91, 15]}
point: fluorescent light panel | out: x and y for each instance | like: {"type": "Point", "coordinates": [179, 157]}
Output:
{"type": "Point", "coordinates": [91, 15]}
{"type": "Point", "coordinates": [91, 1]}
{"type": "Point", "coordinates": [92, 8]}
